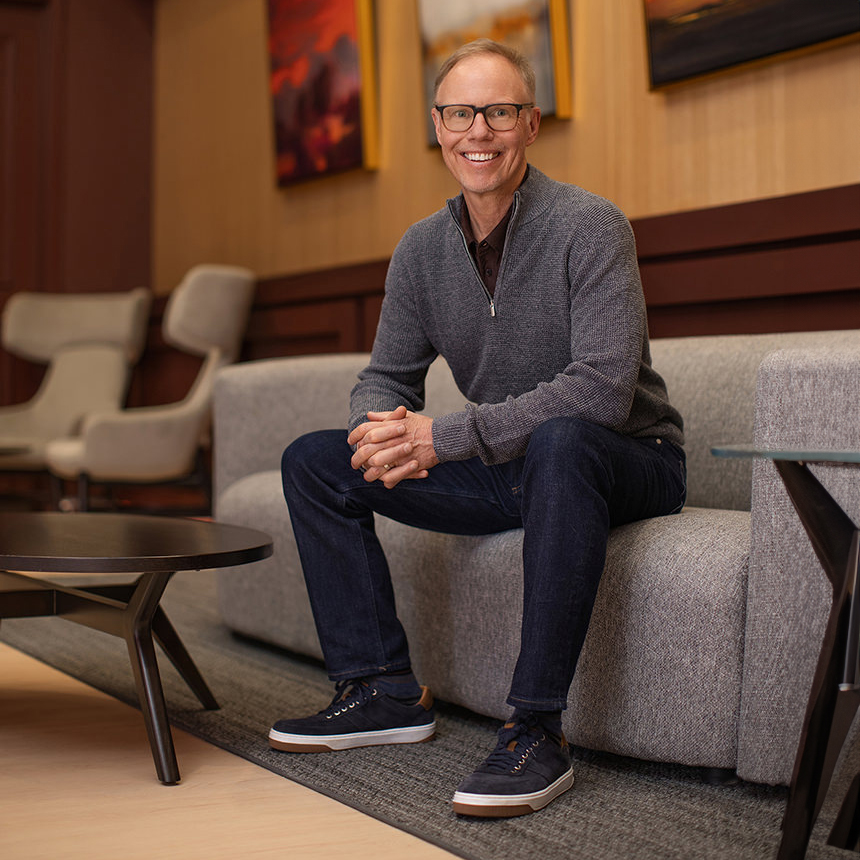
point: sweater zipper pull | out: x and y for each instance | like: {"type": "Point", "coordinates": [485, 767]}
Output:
{"type": "Point", "coordinates": [492, 308]}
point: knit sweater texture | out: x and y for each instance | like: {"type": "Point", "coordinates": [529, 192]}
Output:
{"type": "Point", "coordinates": [565, 333]}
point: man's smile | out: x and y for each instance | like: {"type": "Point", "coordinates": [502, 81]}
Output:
{"type": "Point", "coordinates": [481, 156]}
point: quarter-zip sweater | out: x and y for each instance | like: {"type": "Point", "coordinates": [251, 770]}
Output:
{"type": "Point", "coordinates": [565, 333]}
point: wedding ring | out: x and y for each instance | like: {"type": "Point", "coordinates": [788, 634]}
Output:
{"type": "Point", "coordinates": [386, 466]}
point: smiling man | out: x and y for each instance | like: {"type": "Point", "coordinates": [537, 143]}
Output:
{"type": "Point", "coordinates": [529, 288]}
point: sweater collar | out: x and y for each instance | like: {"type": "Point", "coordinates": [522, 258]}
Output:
{"type": "Point", "coordinates": [531, 199]}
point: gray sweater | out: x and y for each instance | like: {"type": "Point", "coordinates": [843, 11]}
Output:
{"type": "Point", "coordinates": [565, 332]}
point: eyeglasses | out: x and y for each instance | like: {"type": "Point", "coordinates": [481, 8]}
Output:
{"type": "Point", "coordinates": [501, 117]}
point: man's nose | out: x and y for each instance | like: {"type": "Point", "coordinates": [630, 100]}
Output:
{"type": "Point", "coordinates": [480, 128]}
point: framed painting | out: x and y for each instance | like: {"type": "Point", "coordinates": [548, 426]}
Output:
{"type": "Point", "coordinates": [323, 87]}
{"type": "Point", "coordinates": [539, 29]}
{"type": "Point", "coordinates": [688, 38]}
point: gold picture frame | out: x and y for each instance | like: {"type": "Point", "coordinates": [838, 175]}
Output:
{"type": "Point", "coordinates": [540, 29]}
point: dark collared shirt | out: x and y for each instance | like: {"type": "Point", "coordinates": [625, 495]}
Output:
{"type": "Point", "coordinates": [487, 253]}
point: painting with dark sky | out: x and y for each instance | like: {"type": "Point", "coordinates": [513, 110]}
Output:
{"type": "Point", "coordinates": [316, 87]}
{"type": "Point", "coordinates": [693, 37]}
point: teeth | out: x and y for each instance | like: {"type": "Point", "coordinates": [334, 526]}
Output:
{"type": "Point", "coordinates": [480, 156]}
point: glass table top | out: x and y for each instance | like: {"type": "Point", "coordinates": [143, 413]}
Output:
{"type": "Point", "coordinates": [807, 455]}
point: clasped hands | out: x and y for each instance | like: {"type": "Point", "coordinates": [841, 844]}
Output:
{"type": "Point", "coordinates": [393, 446]}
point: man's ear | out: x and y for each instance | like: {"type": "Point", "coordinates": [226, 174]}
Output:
{"type": "Point", "coordinates": [533, 125]}
{"type": "Point", "coordinates": [437, 123]}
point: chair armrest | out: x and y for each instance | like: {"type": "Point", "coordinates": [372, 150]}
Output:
{"type": "Point", "coordinates": [804, 398]}
{"type": "Point", "coordinates": [149, 443]}
{"type": "Point", "coordinates": [262, 406]}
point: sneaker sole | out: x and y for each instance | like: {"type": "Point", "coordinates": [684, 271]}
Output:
{"type": "Point", "coordinates": [331, 743]}
{"type": "Point", "coordinates": [509, 805]}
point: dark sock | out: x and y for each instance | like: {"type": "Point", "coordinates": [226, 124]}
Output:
{"type": "Point", "coordinates": [399, 685]}
{"type": "Point", "coordinates": [549, 720]}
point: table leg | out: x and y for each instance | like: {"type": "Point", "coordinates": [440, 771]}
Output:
{"type": "Point", "coordinates": [832, 704]}
{"type": "Point", "coordinates": [141, 650]}
{"type": "Point", "coordinates": [166, 636]}
{"type": "Point", "coordinates": [846, 829]}
{"type": "Point", "coordinates": [168, 639]}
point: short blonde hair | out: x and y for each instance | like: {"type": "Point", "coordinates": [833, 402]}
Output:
{"type": "Point", "coordinates": [488, 46]}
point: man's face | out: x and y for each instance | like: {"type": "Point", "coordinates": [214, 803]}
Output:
{"type": "Point", "coordinates": [484, 161]}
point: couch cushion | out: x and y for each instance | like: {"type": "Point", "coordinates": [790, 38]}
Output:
{"type": "Point", "coordinates": [267, 599]}
{"type": "Point", "coordinates": [712, 382]}
{"type": "Point", "coordinates": [660, 675]}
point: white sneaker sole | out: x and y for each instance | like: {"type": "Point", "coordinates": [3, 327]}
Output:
{"type": "Point", "coordinates": [508, 805]}
{"type": "Point", "coordinates": [331, 743]}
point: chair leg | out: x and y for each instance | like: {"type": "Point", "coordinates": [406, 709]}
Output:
{"type": "Point", "coordinates": [204, 476]}
{"type": "Point", "coordinates": [83, 492]}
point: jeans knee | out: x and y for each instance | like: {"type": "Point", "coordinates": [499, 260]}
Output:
{"type": "Point", "coordinates": [571, 439]}
{"type": "Point", "coordinates": [302, 454]}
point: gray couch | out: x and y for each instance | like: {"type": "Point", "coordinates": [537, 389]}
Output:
{"type": "Point", "coordinates": [707, 624]}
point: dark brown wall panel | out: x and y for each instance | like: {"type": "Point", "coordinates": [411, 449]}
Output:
{"type": "Point", "coordinates": [783, 264]}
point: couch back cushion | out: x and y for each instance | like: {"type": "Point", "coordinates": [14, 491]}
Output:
{"type": "Point", "coordinates": [712, 381]}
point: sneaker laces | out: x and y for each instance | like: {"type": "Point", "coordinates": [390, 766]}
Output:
{"type": "Point", "coordinates": [517, 741]}
{"type": "Point", "coordinates": [349, 694]}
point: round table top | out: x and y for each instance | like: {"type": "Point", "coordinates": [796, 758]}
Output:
{"type": "Point", "coordinates": [120, 543]}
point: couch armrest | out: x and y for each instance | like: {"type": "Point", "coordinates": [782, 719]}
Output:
{"type": "Point", "coordinates": [805, 398]}
{"type": "Point", "coordinates": [260, 407]}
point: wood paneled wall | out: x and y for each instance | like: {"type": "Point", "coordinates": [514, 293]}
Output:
{"type": "Point", "coordinates": [75, 152]}
{"type": "Point", "coordinates": [783, 127]}
{"type": "Point", "coordinates": [784, 264]}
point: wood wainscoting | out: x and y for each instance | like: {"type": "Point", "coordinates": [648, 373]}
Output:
{"type": "Point", "coordinates": [783, 264]}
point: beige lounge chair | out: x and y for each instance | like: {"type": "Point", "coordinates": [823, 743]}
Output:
{"type": "Point", "coordinates": [206, 315]}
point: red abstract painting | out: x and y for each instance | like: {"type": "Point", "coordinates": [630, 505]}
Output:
{"type": "Point", "coordinates": [316, 84]}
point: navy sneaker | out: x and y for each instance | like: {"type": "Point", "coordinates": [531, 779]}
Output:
{"type": "Point", "coordinates": [528, 769]}
{"type": "Point", "coordinates": [360, 715]}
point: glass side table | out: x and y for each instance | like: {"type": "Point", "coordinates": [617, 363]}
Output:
{"type": "Point", "coordinates": [835, 695]}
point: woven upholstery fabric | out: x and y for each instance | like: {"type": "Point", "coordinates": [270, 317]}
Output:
{"type": "Point", "coordinates": [712, 382]}
{"type": "Point", "coordinates": [660, 673]}
{"type": "Point", "coordinates": [655, 680]}
{"type": "Point", "coordinates": [807, 399]}
{"type": "Point", "coordinates": [266, 600]}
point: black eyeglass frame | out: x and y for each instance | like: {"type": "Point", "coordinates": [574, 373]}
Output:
{"type": "Point", "coordinates": [483, 110]}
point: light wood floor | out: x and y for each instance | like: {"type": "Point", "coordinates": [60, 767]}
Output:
{"type": "Point", "coordinates": [77, 781]}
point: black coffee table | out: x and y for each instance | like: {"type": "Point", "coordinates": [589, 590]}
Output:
{"type": "Point", "coordinates": [153, 547]}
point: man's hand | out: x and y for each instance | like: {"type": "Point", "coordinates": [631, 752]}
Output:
{"type": "Point", "coordinates": [394, 446]}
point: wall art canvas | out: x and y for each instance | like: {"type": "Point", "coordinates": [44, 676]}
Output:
{"type": "Point", "coordinates": [687, 38]}
{"type": "Point", "coordinates": [323, 87]}
{"type": "Point", "coordinates": [537, 28]}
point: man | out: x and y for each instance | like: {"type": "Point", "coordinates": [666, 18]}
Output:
{"type": "Point", "coordinates": [530, 290]}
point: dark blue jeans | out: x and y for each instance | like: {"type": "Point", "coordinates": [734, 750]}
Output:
{"type": "Point", "coordinates": [576, 481]}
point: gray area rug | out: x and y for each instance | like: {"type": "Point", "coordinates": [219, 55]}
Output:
{"type": "Point", "coordinates": [618, 807]}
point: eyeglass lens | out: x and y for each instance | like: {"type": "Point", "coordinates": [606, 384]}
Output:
{"type": "Point", "coordinates": [502, 117]}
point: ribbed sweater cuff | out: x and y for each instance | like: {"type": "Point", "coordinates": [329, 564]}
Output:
{"type": "Point", "coordinates": [450, 440]}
